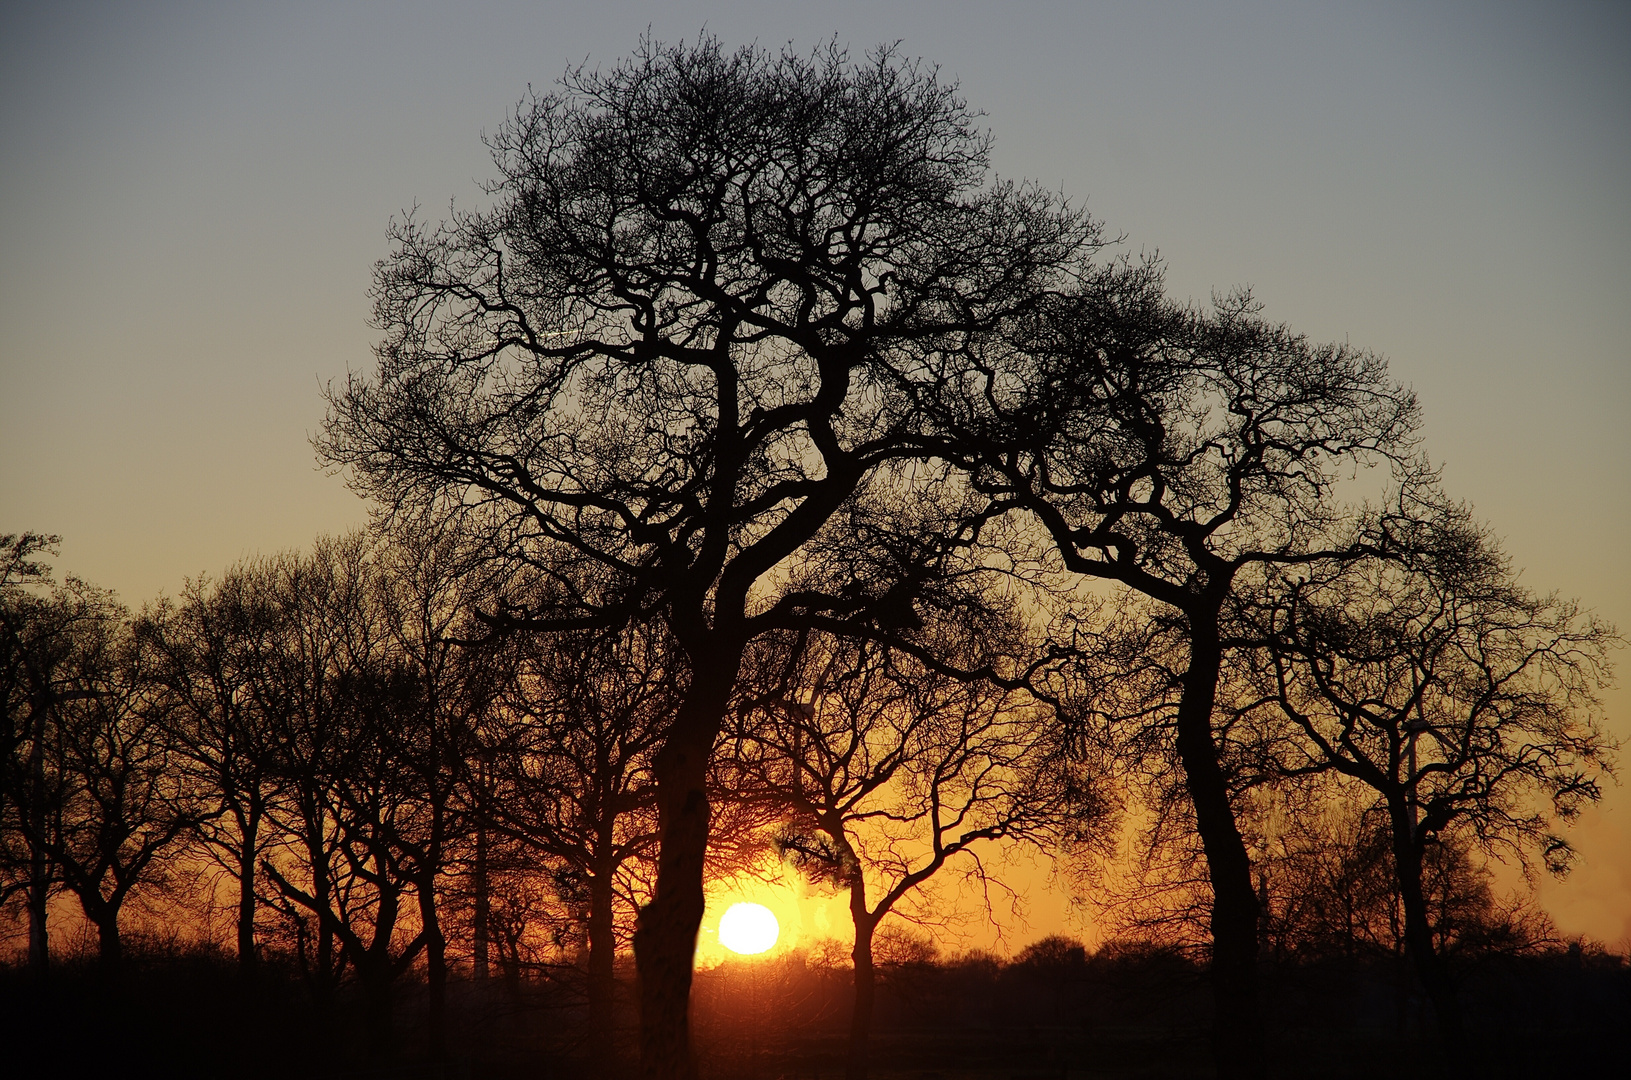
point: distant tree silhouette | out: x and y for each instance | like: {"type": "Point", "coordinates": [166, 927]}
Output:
{"type": "Point", "coordinates": [37, 626]}
{"type": "Point", "coordinates": [567, 763]}
{"type": "Point", "coordinates": [353, 813]}
{"type": "Point", "coordinates": [428, 587]}
{"type": "Point", "coordinates": [211, 655]}
{"type": "Point", "coordinates": [1462, 700]}
{"type": "Point", "coordinates": [670, 348]}
{"type": "Point", "coordinates": [113, 802]}
{"type": "Point", "coordinates": [890, 773]}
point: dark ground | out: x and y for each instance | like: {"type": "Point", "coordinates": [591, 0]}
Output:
{"type": "Point", "coordinates": [1139, 1014]}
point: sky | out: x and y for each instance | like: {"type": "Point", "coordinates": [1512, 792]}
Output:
{"type": "Point", "coordinates": [192, 198]}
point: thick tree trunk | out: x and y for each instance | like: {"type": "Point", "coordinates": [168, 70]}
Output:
{"type": "Point", "coordinates": [376, 991]}
{"type": "Point", "coordinates": [1238, 1038]}
{"type": "Point", "coordinates": [374, 967]}
{"type": "Point", "coordinates": [665, 938]}
{"type": "Point", "coordinates": [866, 987]}
{"type": "Point", "coordinates": [109, 949]}
{"type": "Point", "coordinates": [602, 967]}
{"type": "Point", "coordinates": [1418, 939]}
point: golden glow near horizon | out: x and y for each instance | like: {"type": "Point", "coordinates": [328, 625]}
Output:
{"type": "Point", "coordinates": [748, 929]}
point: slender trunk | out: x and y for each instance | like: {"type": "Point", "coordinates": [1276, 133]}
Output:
{"type": "Point", "coordinates": [435, 970]}
{"type": "Point", "coordinates": [602, 959]}
{"type": "Point", "coordinates": [39, 894]}
{"type": "Point", "coordinates": [315, 851]}
{"type": "Point", "coordinates": [483, 913]}
{"type": "Point", "coordinates": [39, 867]}
{"type": "Point", "coordinates": [665, 938]}
{"type": "Point", "coordinates": [1418, 938]}
{"type": "Point", "coordinates": [246, 891]}
{"type": "Point", "coordinates": [1238, 1036]}
{"type": "Point", "coordinates": [866, 985]}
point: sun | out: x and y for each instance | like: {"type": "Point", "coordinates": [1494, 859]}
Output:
{"type": "Point", "coordinates": [748, 929]}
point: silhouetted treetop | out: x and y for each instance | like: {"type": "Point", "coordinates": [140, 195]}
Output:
{"type": "Point", "coordinates": [675, 335]}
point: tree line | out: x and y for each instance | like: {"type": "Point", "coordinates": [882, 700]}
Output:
{"type": "Point", "coordinates": [755, 469]}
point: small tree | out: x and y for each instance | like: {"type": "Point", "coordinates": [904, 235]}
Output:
{"type": "Point", "coordinates": [565, 768]}
{"type": "Point", "coordinates": [890, 773]}
{"type": "Point", "coordinates": [120, 805]}
{"type": "Point", "coordinates": [343, 701]}
{"type": "Point", "coordinates": [210, 653]}
{"type": "Point", "coordinates": [36, 637]}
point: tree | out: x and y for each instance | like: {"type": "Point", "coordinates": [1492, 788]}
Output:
{"type": "Point", "coordinates": [117, 804]}
{"type": "Point", "coordinates": [35, 640]}
{"type": "Point", "coordinates": [210, 655]}
{"type": "Point", "coordinates": [1176, 452]}
{"type": "Point", "coordinates": [671, 349]}
{"type": "Point", "coordinates": [1464, 701]}
{"type": "Point", "coordinates": [887, 773]}
{"type": "Point", "coordinates": [352, 816]}
{"type": "Point", "coordinates": [427, 586]}
{"type": "Point", "coordinates": [567, 757]}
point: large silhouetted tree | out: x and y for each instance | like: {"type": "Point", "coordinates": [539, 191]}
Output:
{"type": "Point", "coordinates": [671, 347]}
{"type": "Point", "coordinates": [1177, 452]}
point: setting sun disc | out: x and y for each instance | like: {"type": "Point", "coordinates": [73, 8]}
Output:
{"type": "Point", "coordinates": [748, 929]}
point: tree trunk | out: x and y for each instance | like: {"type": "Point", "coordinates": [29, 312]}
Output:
{"type": "Point", "coordinates": [483, 912]}
{"type": "Point", "coordinates": [435, 971]}
{"type": "Point", "coordinates": [1418, 938]}
{"type": "Point", "coordinates": [866, 986]}
{"type": "Point", "coordinates": [39, 867]}
{"type": "Point", "coordinates": [109, 949]}
{"type": "Point", "coordinates": [246, 892]}
{"type": "Point", "coordinates": [665, 938]}
{"type": "Point", "coordinates": [1238, 1036]}
{"type": "Point", "coordinates": [374, 974]}
{"type": "Point", "coordinates": [39, 895]}
{"type": "Point", "coordinates": [324, 965]}
{"type": "Point", "coordinates": [602, 970]}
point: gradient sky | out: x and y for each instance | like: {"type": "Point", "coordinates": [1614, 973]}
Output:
{"type": "Point", "coordinates": [192, 197]}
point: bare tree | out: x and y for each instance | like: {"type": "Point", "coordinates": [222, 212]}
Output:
{"type": "Point", "coordinates": [567, 758]}
{"type": "Point", "coordinates": [210, 652]}
{"type": "Point", "coordinates": [120, 806]}
{"type": "Point", "coordinates": [1467, 703]}
{"type": "Point", "coordinates": [36, 635]}
{"type": "Point", "coordinates": [670, 349]}
{"type": "Point", "coordinates": [426, 589]}
{"type": "Point", "coordinates": [342, 700]}
{"type": "Point", "coordinates": [889, 773]}
{"type": "Point", "coordinates": [1173, 451]}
